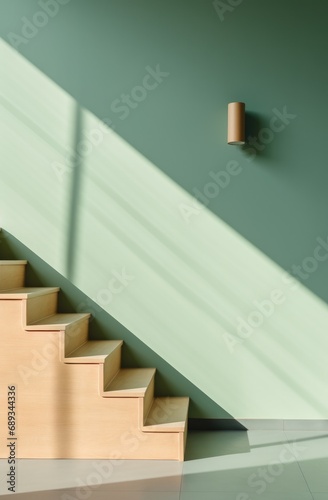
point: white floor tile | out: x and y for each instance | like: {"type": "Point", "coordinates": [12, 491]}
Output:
{"type": "Point", "coordinates": [313, 457]}
{"type": "Point", "coordinates": [95, 494]}
{"type": "Point", "coordinates": [232, 496]}
{"type": "Point", "coordinates": [278, 478]}
{"type": "Point", "coordinates": [316, 474]}
{"type": "Point", "coordinates": [127, 475]}
{"type": "Point", "coordinates": [314, 444]}
{"type": "Point", "coordinates": [265, 464]}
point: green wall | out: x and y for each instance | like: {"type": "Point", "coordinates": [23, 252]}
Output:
{"type": "Point", "coordinates": [198, 273]}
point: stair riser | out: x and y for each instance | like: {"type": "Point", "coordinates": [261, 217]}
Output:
{"type": "Point", "coordinates": [37, 308]}
{"type": "Point", "coordinates": [12, 276]}
{"type": "Point", "coordinates": [109, 369]}
{"type": "Point", "coordinates": [146, 403]}
{"type": "Point", "coordinates": [75, 336]}
{"type": "Point", "coordinates": [182, 444]}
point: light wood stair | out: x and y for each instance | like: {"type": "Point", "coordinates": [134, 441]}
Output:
{"type": "Point", "coordinates": [73, 399]}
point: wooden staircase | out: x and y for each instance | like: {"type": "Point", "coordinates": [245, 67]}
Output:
{"type": "Point", "coordinates": [72, 398]}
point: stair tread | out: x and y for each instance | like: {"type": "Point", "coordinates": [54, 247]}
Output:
{"type": "Point", "coordinates": [26, 292]}
{"type": "Point", "coordinates": [12, 262]}
{"type": "Point", "coordinates": [130, 382]}
{"type": "Point", "coordinates": [167, 415]}
{"type": "Point", "coordinates": [93, 351]}
{"type": "Point", "coordinates": [57, 321]}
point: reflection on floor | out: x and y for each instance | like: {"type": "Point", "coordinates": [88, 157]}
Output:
{"type": "Point", "coordinates": [228, 465]}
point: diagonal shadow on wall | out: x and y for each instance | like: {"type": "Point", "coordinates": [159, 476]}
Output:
{"type": "Point", "coordinates": [103, 327]}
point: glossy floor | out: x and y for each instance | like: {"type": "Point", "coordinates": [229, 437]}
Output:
{"type": "Point", "coordinates": [236, 465]}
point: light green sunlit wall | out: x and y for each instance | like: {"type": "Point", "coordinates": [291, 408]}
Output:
{"type": "Point", "coordinates": [91, 215]}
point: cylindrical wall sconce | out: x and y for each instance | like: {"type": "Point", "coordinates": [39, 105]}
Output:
{"type": "Point", "coordinates": [236, 123]}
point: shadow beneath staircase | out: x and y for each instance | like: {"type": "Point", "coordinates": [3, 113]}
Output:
{"type": "Point", "coordinates": [204, 413]}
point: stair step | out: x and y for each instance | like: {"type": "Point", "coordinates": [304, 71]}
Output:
{"type": "Point", "coordinates": [26, 293]}
{"type": "Point", "coordinates": [167, 415]}
{"type": "Point", "coordinates": [130, 382]}
{"type": "Point", "coordinates": [75, 327]}
{"type": "Point", "coordinates": [58, 322]}
{"type": "Point", "coordinates": [13, 262]}
{"type": "Point", "coordinates": [38, 303]}
{"type": "Point", "coordinates": [12, 273]}
{"type": "Point", "coordinates": [94, 351]}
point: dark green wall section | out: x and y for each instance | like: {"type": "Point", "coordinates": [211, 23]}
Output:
{"type": "Point", "coordinates": [269, 54]}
